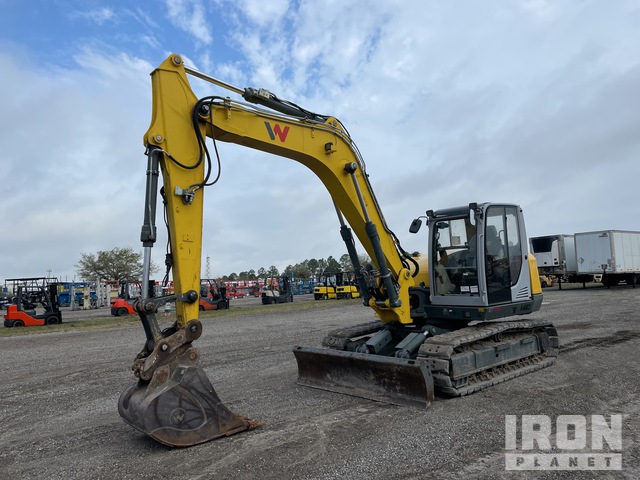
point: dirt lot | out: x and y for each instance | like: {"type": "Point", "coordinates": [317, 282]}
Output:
{"type": "Point", "coordinates": [59, 392]}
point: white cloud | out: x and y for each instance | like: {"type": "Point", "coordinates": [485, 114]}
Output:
{"type": "Point", "coordinates": [264, 13]}
{"type": "Point", "coordinates": [73, 159]}
{"type": "Point", "coordinates": [190, 16]}
{"type": "Point", "coordinates": [99, 16]}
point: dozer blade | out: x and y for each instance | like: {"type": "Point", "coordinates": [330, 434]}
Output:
{"type": "Point", "coordinates": [179, 407]}
{"type": "Point", "coordinates": [392, 380]}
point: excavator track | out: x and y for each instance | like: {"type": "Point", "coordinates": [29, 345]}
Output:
{"type": "Point", "coordinates": [452, 364]}
{"type": "Point", "coordinates": [474, 358]}
{"type": "Point", "coordinates": [343, 338]}
{"type": "Point", "coordinates": [339, 368]}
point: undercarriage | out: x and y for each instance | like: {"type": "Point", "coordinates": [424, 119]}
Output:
{"type": "Point", "coordinates": [407, 365]}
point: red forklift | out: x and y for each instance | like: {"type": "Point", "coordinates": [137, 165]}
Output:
{"type": "Point", "coordinates": [213, 296]}
{"type": "Point", "coordinates": [127, 293]}
{"type": "Point", "coordinates": [22, 311]}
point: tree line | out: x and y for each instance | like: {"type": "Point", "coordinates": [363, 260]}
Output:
{"type": "Point", "coordinates": [125, 265]}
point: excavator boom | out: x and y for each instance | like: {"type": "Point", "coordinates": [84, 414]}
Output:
{"type": "Point", "coordinates": [319, 142]}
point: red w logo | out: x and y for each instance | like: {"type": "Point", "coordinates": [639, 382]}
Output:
{"type": "Point", "coordinates": [277, 131]}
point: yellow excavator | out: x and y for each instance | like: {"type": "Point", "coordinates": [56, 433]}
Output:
{"type": "Point", "coordinates": [440, 323]}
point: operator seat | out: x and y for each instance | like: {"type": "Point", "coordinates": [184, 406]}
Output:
{"type": "Point", "coordinates": [494, 245]}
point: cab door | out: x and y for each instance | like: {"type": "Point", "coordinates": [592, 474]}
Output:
{"type": "Point", "coordinates": [504, 242]}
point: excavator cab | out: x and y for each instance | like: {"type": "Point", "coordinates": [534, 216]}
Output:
{"type": "Point", "coordinates": [486, 263]}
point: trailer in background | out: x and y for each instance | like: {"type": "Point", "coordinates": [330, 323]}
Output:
{"type": "Point", "coordinates": [613, 253]}
{"type": "Point", "coordinates": [556, 256]}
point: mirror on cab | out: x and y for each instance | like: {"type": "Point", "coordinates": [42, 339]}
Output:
{"type": "Point", "coordinates": [415, 225]}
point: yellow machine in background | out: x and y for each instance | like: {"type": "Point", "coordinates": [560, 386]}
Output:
{"type": "Point", "coordinates": [337, 286]}
{"type": "Point", "coordinates": [435, 328]}
{"type": "Point", "coordinates": [325, 289]}
{"type": "Point", "coordinates": [346, 286]}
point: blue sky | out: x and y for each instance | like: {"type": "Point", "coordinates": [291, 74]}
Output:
{"type": "Point", "coordinates": [532, 102]}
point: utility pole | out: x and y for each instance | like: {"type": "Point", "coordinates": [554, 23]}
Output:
{"type": "Point", "coordinates": [207, 269]}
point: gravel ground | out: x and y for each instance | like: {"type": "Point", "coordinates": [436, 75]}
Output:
{"type": "Point", "coordinates": [59, 393]}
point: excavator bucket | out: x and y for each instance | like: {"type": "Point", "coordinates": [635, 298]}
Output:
{"type": "Point", "coordinates": [179, 407]}
{"type": "Point", "coordinates": [392, 380]}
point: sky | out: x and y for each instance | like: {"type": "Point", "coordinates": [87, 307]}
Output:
{"type": "Point", "coordinates": [530, 102]}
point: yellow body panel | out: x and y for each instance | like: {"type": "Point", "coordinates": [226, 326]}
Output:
{"type": "Point", "coordinates": [534, 278]}
{"type": "Point", "coordinates": [422, 278]}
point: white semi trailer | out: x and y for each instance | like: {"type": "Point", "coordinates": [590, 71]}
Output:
{"type": "Point", "coordinates": [613, 253]}
{"type": "Point", "coordinates": [556, 255]}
